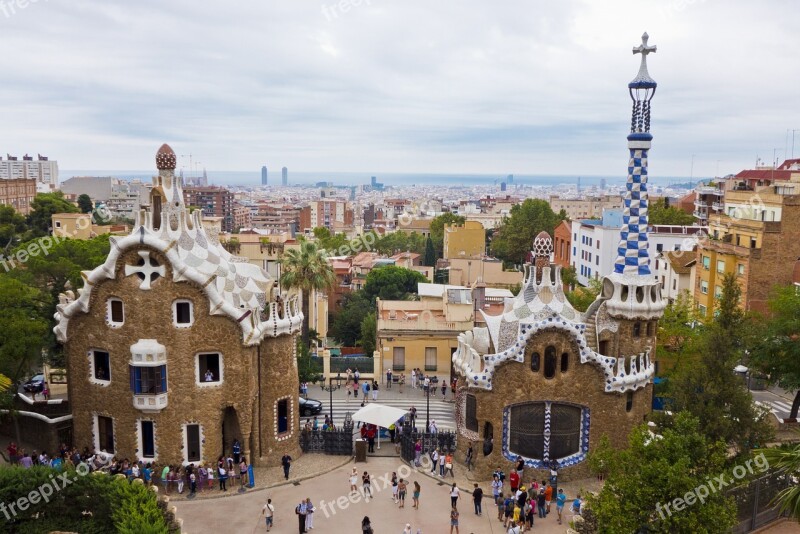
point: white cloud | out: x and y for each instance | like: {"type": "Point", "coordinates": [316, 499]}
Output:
{"type": "Point", "coordinates": [391, 85]}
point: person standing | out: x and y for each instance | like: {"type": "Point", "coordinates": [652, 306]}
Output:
{"type": "Point", "coordinates": [301, 511]}
{"type": "Point", "coordinates": [237, 450]}
{"type": "Point", "coordinates": [497, 487]}
{"type": "Point", "coordinates": [366, 486]}
{"type": "Point", "coordinates": [540, 504]}
{"type": "Point", "coordinates": [514, 528]}
{"type": "Point", "coordinates": [434, 460]}
{"type": "Point", "coordinates": [413, 379]}
{"type": "Point", "coordinates": [401, 493]}
{"type": "Point", "coordinates": [309, 514]}
{"type": "Point", "coordinates": [548, 495]}
{"type": "Point", "coordinates": [415, 496]}
{"type": "Point", "coordinates": [401, 382]}
{"type": "Point", "coordinates": [268, 512]}
{"type": "Point", "coordinates": [374, 390]}
{"type": "Point", "coordinates": [520, 468]}
{"type": "Point", "coordinates": [243, 471]}
{"type": "Point", "coordinates": [286, 462]}
{"type": "Point", "coordinates": [454, 494]}
{"type": "Point", "coordinates": [366, 526]}
{"type": "Point", "coordinates": [365, 391]}
{"type": "Point", "coordinates": [192, 484]}
{"type": "Point", "coordinates": [477, 497]}
{"type": "Point", "coordinates": [417, 453]}
{"type": "Point", "coordinates": [453, 519]}
{"type": "Point", "coordinates": [470, 457]}
{"type": "Point", "coordinates": [444, 390]}
{"type": "Point", "coordinates": [354, 481]}
{"type": "Point", "coordinates": [448, 464]}
{"type": "Point", "coordinates": [395, 487]}
{"type": "Point", "coordinates": [513, 480]}
{"type": "Point", "coordinates": [389, 378]}
{"type": "Point", "coordinates": [222, 474]}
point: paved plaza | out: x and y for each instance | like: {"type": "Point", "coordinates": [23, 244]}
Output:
{"type": "Point", "coordinates": [336, 512]}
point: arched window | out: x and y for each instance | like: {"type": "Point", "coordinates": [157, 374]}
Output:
{"type": "Point", "coordinates": [536, 361]}
{"type": "Point", "coordinates": [565, 362]}
{"type": "Point", "coordinates": [637, 329]}
{"type": "Point", "coordinates": [629, 401]}
{"type": "Point", "coordinates": [650, 328]}
{"type": "Point", "coordinates": [471, 415]}
{"type": "Point", "coordinates": [526, 430]}
{"type": "Point", "coordinates": [550, 362]}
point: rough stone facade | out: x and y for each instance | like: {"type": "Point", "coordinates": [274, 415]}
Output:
{"type": "Point", "coordinates": [580, 385]}
{"type": "Point", "coordinates": [148, 315]}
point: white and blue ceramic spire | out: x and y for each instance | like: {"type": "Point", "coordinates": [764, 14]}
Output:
{"type": "Point", "coordinates": [632, 253]}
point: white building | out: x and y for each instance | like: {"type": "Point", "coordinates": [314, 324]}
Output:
{"type": "Point", "coordinates": [44, 171]}
{"type": "Point", "coordinates": [595, 242]}
{"type": "Point", "coordinates": [675, 270]}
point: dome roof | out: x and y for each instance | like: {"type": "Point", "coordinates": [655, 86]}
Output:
{"type": "Point", "coordinates": [165, 158]}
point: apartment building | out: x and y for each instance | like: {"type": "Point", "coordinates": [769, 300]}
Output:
{"type": "Point", "coordinates": [18, 193]}
{"type": "Point", "coordinates": [41, 169]}
{"type": "Point", "coordinates": [590, 207]}
{"type": "Point", "coordinates": [213, 201]}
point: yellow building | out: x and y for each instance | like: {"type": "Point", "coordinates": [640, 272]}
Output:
{"type": "Point", "coordinates": [464, 241]}
{"type": "Point", "coordinates": [757, 239]}
{"type": "Point", "coordinates": [81, 226]}
{"type": "Point", "coordinates": [464, 271]}
{"type": "Point", "coordinates": [423, 334]}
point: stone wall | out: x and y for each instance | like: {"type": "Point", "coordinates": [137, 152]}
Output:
{"type": "Point", "coordinates": [581, 384]}
{"type": "Point", "coordinates": [149, 315]}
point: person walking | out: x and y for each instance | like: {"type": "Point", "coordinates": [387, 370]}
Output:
{"type": "Point", "coordinates": [417, 453]}
{"type": "Point", "coordinates": [401, 493]}
{"type": "Point", "coordinates": [286, 462]}
{"type": "Point", "coordinates": [561, 499]}
{"type": "Point", "coordinates": [501, 507]}
{"type": "Point", "coordinates": [477, 497]}
{"type": "Point", "coordinates": [243, 471]}
{"type": "Point", "coordinates": [415, 495]}
{"type": "Point", "coordinates": [301, 511]}
{"type": "Point", "coordinates": [395, 487]}
{"type": "Point", "coordinates": [407, 530]}
{"type": "Point", "coordinates": [366, 526]}
{"type": "Point", "coordinates": [454, 494]}
{"type": "Point", "coordinates": [268, 512]}
{"type": "Point", "coordinates": [309, 514]}
{"type": "Point", "coordinates": [448, 465]}
{"type": "Point", "coordinates": [540, 503]}
{"type": "Point", "coordinates": [453, 519]}
{"type": "Point", "coordinates": [470, 458]}
{"type": "Point", "coordinates": [366, 486]}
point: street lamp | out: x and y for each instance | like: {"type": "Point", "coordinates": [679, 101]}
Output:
{"type": "Point", "coordinates": [331, 387]}
{"type": "Point", "coordinates": [428, 406]}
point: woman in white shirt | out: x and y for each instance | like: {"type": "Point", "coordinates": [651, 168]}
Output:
{"type": "Point", "coordinates": [454, 494]}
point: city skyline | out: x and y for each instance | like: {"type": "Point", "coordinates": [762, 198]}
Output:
{"type": "Point", "coordinates": [471, 88]}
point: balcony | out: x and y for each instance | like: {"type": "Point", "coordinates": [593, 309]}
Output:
{"type": "Point", "coordinates": [150, 403]}
{"type": "Point", "coordinates": [700, 204]}
{"type": "Point", "coordinates": [424, 321]}
{"type": "Point", "coordinates": [718, 206]}
{"type": "Point", "coordinates": [702, 215]}
{"type": "Point", "coordinates": [708, 190]}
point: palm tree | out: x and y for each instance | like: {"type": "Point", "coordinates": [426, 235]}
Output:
{"type": "Point", "coordinates": [787, 458]}
{"type": "Point", "coordinates": [308, 270]}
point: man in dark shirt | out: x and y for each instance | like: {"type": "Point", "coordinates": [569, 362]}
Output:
{"type": "Point", "coordinates": [477, 496]}
{"type": "Point", "coordinates": [286, 462]}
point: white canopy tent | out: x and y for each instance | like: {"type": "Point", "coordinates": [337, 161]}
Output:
{"type": "Point", "coordinates": [379, 415]}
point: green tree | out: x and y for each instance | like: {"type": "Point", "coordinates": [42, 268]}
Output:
{"type": "Point", "coordinates": [346, 325]}
{"type": "Point", "coordinates": [43, 207]}
{"type": "Point", "coordinates": [661, 213]}
{"type": "Point", "coordinates": [652, 472]}
{"type": "Point", "coordinates": [777, 354]}
{"type": "Point", "coordinates": [569, 277]}
{"type": "Point", "coordinates": [12, 225]}
{"type": "Point", "coordinates": [786, 457]}
{"type": "Point", "coordinates": [430, 253]}
{"type": "Point", "coordinates": [437, 230]}
{"type": "Point", "coordinates": [85, 203]}
{"type": "Point", "coordinates": [23, 326]}
{"type": "Point", "coordinates": [513, 239]}
{"type": "Point", "coordinates": [400, 242]}
{"type": "Point", "coordinates": [308, 368]}
{"type": "Point", "coordinates": [582, 296]}
{"type": "Point", "coordinates": [679, 328]}
{"type": "Point", "coordinates": [706, 386]}
{"type": "Point", "coordinates": [391, 282]}
{"type": "Point", "coordinates": [306, 269]}
{"type": "Point", "coordinates": [369, 333]}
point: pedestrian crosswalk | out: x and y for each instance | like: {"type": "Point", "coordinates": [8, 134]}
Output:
{"type": "Point", "coordinates": [781, 409]}
{"type": "Point", "coordinates": [441, 412]}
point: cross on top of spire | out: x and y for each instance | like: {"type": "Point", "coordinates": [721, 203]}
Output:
{"type": "Point", "coordinates": [643, 79]}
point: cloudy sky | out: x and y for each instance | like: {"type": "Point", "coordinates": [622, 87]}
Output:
{"type": "Point", "coordinates": [527, 87]}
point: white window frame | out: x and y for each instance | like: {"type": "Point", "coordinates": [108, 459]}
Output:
{"type": "Point", "coordinates": [199, 380]}
{"type": "Point", "coordinates": [290, 403]}
{"type": "Point", "coordinates": [92, 374]}
{"type": "Point", "coordinates": [703, 289]}
{"type": "Point", "coordinates": [175, 322]}
{"type": "Point", "coordinates": [185, 438]}
{"type": "Point", "coordinates": [96, 432]}
{"type": "Point", "coordinates": [140, 441]}
{"type": "Point", "coordinates": [112, 323]}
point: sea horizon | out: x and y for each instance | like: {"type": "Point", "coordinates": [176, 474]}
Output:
{"type": "Point", "coordinates": [348, 179]}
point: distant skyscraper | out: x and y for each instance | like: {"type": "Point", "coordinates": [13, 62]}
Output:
{"type": "Point", "coordinates": [502, 186]}
{"type": "Point", "coordinates": [510, 179]}
{"type": "Point", "coordinates": [264, 175]}
{"type": "Point", "coordinates": [284, 176]}
{"type": "Point", "coordinates": [602, 184]}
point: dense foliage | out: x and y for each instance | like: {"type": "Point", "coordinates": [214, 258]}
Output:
{"type": "Point", "coordinates": [90, 504]}
{"type": "Point", "coordinates": [306, 269]}
{"type": "Point", "coordinates": [513, 239]}
{"type": "Point", "coordinates": [43, 207]}
{"type": "Point", "coordinates": [662, 213]}
{"type": "Point", "coordinates": [655, 470]}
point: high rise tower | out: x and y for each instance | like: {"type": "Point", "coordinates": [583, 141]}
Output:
{"type": "Point", "coordinates": [632, 289]}
{"type": "Point", "coordinates": [284, 176]}
{"type": "Point", "coordinates": [264, 175]}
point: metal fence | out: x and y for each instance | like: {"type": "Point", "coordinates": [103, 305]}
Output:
{"type": "Point", "coordinates": [337, 442]}
{"type": "Point", "coordinates": [365, 365]}
{"type": "Point", "coordinates": [444, 441]}
{"type": "Point", "coordinates": [755, 501]}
